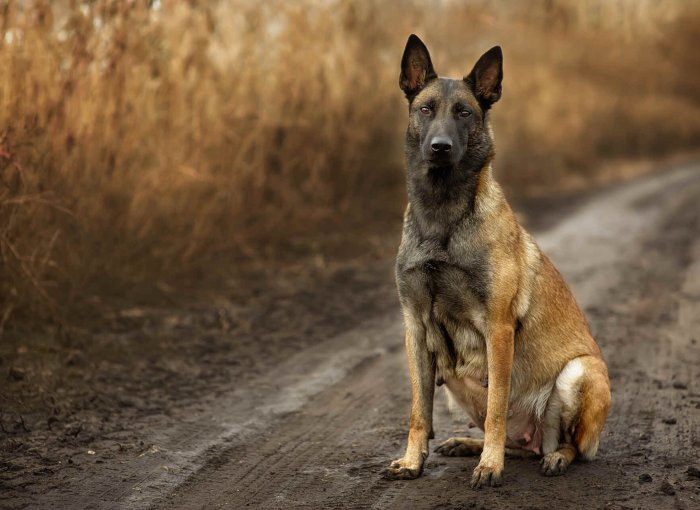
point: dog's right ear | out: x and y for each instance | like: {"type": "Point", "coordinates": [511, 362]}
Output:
{"type": "Point", "coordinates": [416, 67]}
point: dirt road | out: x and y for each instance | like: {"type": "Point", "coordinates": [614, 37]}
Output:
{"type": "Point", "coordinates": [313, 425]}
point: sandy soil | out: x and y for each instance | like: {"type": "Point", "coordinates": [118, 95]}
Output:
{"type": "Point", "coordinates": [297, 395]}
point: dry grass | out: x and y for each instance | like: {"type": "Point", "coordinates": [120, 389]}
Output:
{"type": "Point", "coordinates": [139, 145]}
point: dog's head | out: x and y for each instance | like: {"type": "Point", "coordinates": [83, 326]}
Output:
{"type": "Point", "coordinates": [447, 127]}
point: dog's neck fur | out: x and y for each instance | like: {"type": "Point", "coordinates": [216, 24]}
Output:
{"type": "Point", "coordinates": [442, 199]}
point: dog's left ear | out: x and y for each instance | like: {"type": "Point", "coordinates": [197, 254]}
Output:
{"type": "Point", "coordinates": [485, 79]}
{"type": "Point", "coordinates": [416, 67]}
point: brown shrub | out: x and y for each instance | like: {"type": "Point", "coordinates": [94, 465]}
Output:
{"type": "Point", "coordinates": [141, 141]}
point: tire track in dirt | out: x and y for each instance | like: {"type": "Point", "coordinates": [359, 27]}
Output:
{"type": "Point", "coordinates": [657, 362]}
{"type": "Point", "coordinates": [281, 473]}
{"type": "Point", "coordinates": [228, 420]}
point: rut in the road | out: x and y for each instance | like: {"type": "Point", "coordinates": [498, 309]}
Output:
{"type": "Point", "coordinates": [340, 426]}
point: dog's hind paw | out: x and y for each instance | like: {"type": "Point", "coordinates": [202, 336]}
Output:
{"type": "Point", "coordinates": [554, 464]}
{"type": "Point", "coordinates": [460, 447]}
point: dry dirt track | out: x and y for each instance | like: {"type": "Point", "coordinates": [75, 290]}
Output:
{"type": "Point", "coordinates": [315, 431]}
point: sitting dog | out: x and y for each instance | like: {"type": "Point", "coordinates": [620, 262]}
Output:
{"type": "Point", "coordinates": [485, 311]}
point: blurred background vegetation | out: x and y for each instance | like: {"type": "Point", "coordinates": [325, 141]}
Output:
{"type": "Point", "coordinates": [147, 147]}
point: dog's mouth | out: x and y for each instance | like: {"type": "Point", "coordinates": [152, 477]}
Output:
{"type": "Point", "coordinates": [438, 170]}
{"type": "Point", "coordinates": [440, 159]}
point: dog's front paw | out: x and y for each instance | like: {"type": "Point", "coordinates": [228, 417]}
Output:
{"type": "Point", "coordinates": [403, 469]}
{"type": "Point", "coordinates": [487, 475]}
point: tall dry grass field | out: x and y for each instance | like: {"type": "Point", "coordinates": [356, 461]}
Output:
{"type": "Point", "coordinates": [143, 144]}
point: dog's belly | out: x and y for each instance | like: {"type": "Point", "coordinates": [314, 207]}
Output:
{"type": "Point", "coordinates": [524, 427]}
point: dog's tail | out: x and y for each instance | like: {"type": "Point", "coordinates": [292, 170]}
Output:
{"type": "Point", "coordinates": [595, 403]}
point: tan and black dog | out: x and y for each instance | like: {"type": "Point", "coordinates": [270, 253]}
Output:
{"type": "Point", "coordinates": [486, 313]}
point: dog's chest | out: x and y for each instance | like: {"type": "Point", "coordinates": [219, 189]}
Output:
{"type": "Point", "coordinates": [448, 281]}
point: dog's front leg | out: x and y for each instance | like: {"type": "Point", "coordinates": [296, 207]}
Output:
{"type": "Point", "coordinates": [499, 353]}
{"type": "Point", "coordinates": [422, 370]}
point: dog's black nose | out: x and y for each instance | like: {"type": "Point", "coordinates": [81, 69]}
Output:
{"type": "Point", "coordinates": [441, 144]}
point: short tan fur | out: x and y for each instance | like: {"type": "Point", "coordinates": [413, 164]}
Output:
{"type": "Point", "coordinates": [486, 312]}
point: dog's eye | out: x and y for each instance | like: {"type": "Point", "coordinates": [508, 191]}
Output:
{"type": "Point", "coordinates": [465, 113]}
{"type": "Point", "coordinates": [425, 109]}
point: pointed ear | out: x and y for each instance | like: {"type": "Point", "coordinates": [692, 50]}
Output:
{"type": "Point", "coordinates": [416, 67]}
{"type": "Point", "coordinates": [485, 79]}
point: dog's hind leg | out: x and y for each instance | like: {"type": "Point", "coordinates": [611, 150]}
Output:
{"type": "Point", "coordinates": [461, 447]}
{"type": "Point", "coordinates": [470, 447]}
{"type": "Point", "coordinates": [556, 463]}
{"type": "Point", "coordinates": [575, 414]}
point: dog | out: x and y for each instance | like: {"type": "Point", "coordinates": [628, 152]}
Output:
{"type": "Point", "coordinates": [486, 313]}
